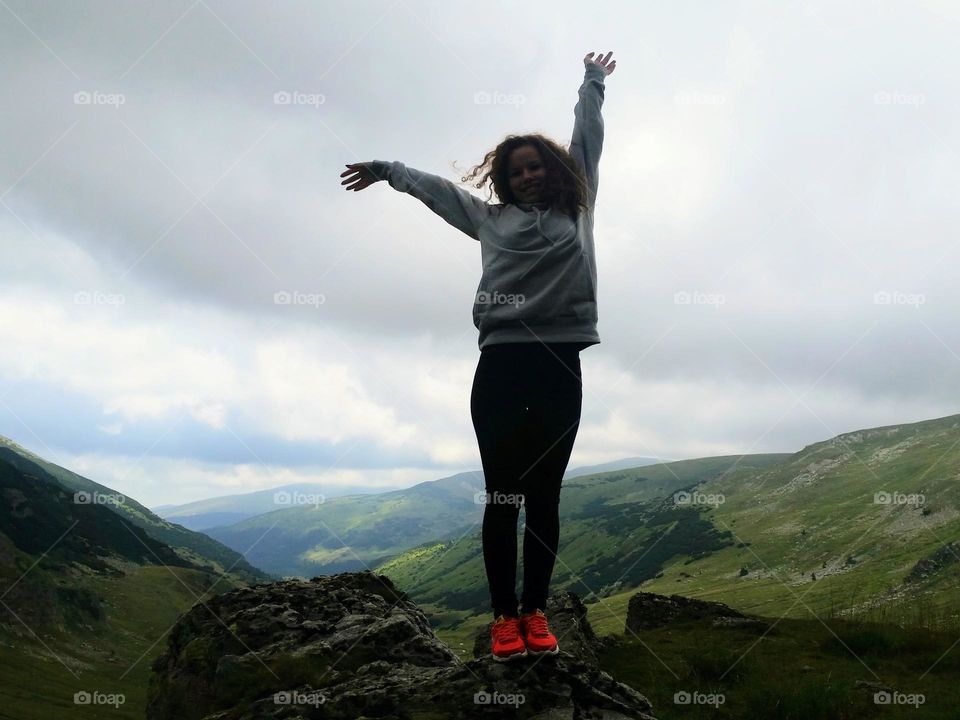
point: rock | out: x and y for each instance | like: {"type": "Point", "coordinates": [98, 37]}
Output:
{"type": "Point", "coordinates": [649, 610]}
{"type": "Point", "coordinates": [351, 646]}
{"type": "Point", "coordinates": [943, 556]}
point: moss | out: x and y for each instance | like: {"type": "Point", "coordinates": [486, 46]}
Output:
{"type": "Point", "coordinates": [246, 679]}
{"type": "Point", "coordinates": [304, 670]}
{"type": "Point", "coordinates": [195, 656]}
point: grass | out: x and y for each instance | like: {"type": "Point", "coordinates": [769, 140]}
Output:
{"type": "Point", "coordinates": [41, 678]}
{"type": "Point", "coordinates": [757, 676]}
{"type": "Point", "coordinates": [805, 669]}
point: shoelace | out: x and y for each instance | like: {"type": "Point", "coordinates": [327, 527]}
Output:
{"type": "Point", "coordinates": [538, 625]}
{"type": "Point", "coordinates": [507, 630]}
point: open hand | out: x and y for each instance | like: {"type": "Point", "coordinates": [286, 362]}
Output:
{"type": "Point", "coordinates": [603, 62]}
{"type": "Point", "coordinates": [361, 174]}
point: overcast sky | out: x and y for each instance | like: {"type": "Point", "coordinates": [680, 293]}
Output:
{"type": "Point", "coordinates": [776, 229]}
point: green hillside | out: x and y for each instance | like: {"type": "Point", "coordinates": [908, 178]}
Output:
{"type": "Point", "coordinates": [811, 536]}
{"type": "Point", "coordinates": [352, 533]}
{"type": "Point", "coordinates": [43, 665]}
{"type": "Point", "coordinates": [195, 547]}
{"type": "Point", "coordinates": [616, 530]}
{"type": "Point", "coordinates": [86, 596]}
{"type": "Point", "coordinates": [799, 535]}
{"type": "Point", "coordinates": [230, 509]}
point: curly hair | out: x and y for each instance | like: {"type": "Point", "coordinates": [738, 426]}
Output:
{"type": "Point", "coordinates": [565, 185]}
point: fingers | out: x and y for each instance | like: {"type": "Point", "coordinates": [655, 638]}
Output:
{"type": "Point", "coordinates": [358, 175]}
{"type": "Point", "coordinates": [601, 58]}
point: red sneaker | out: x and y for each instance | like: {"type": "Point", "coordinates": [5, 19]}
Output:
{"type": "Point", "coordinates": [536, 634]}
{"type": "Point", "coordinates": [505, 641]}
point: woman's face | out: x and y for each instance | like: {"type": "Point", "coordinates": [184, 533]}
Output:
{"type": "Point", "coordinates": [526, 174]}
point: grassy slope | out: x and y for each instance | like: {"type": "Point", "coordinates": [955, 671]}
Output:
{"type": "Point", "coordinates": [357, 532]}
{"type": "Point", "coordinates": [605, 535]}
{"type": "Point", "coordinates": [111, 657]}
{"type": "Point", "coordinates": [737, 664]}
{"type": "Point", "coordinates": [195, 547]}
{"type": "Point", "coordinates": [351, 533]}
{"type": "Point", "coordinates": [816, 514]}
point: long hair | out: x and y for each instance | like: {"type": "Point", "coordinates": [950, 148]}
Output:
{"type": "Point", "coordinates": [565, 185]}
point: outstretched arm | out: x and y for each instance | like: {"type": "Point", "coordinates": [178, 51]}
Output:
{"type": "Point", "coordinates": [587, 141]}
{"type": "Point", "coordinates": [459, 208]}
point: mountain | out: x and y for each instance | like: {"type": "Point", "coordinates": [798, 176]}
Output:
{"type": "Point", "coordinates": [616, 531]}
{"type": "Point", "coordinates": [622, 464]}
{"type": "Point", "coordinates": [41, 517]}
{"type": "Point", "coordinates": [230, 509]}
{"type": "Point", "coordinates": [359, 532]}
{"type": "Point", "coordinates": [86, 595]}
{"type": "Point", "coordinates": [793, 533]}
{"type": "Point", "coordinates": [349, 533]}
{"type": "Point", "coordinates": [197, 548]}
{"type": "Point", "coordinates": [866, 521]}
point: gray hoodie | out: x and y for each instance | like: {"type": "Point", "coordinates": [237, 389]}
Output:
{"type": "Point", "coordinates": [539, 279]}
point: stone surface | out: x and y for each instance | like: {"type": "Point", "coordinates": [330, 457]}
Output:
{"type": "Point", "coordinates": [648, 610]}
{"type": "Point", "coordinates": [352, 646]}
{"type": "Point", "coordinates": [926, 567]}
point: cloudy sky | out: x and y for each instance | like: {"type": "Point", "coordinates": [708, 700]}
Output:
{"type": "Point", "coordinates": [776, 229]}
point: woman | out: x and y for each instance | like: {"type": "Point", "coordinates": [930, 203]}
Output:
{"type": "Point", "coordinates": [536, 310]}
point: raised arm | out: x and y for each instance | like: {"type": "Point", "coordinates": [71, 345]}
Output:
{"type": "Point", "coordinates": [587, 141]}
{"type": "Point", "coordinates": [459, 208]}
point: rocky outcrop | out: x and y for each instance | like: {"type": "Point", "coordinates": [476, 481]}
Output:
{"type": "Point", "coordinates": [351, 646]}
{"type": "Point", "coordinates": [928, 566]}
{"type": "Point", "coordinates": [648, 610]}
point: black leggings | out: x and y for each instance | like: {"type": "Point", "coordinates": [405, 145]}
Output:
{"type": "Point", "coordinates": [525, 404]}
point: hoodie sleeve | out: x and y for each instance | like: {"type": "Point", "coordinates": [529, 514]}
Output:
{"type": "Point", "coordinates": [587, 141]}
{"type": "Point", "coordinates": [462, 209]}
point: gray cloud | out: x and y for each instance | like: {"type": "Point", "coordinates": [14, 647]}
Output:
{"type": "Point", "coordinates": [776, 205]}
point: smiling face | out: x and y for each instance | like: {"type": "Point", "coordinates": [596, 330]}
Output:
{"type": "Point", "coordinates": [526, 174]}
